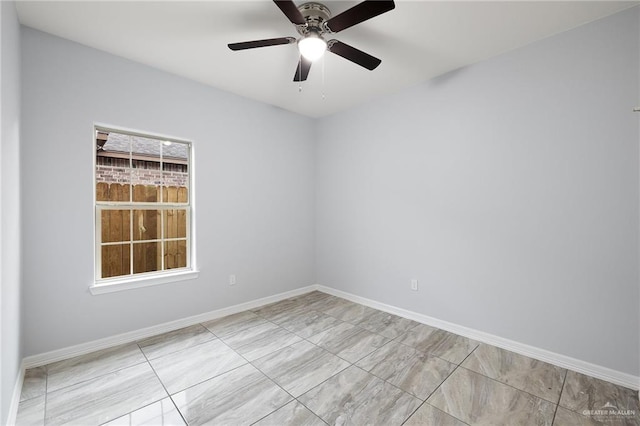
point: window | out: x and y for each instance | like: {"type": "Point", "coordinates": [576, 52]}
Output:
{"type": "Point", "coordinates": [142, 210]}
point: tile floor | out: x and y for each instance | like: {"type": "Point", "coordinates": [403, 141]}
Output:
{"type": "Point", "coordinates": [316, 359]}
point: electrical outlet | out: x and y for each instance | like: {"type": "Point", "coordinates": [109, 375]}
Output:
{"type": "Point", "coordinates": [414, 285]}
{"type": "Point", "coordinates": [232, 279]}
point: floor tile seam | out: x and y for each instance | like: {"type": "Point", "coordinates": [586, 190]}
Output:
{"type": "Point", "coordinates": [352, 363]}
{"type": "Point", "coordinates": [392, 384]}
{"type": "Point", "coordinates": [360, 324]}
{"type": "Point", "coordinates": [555, 413]}
{"type": "Point", "coordinates": [442, 411]}
{"type": "Point", "coordinates": [293, 398]}
{"type": "Point", "coordinates": [276, 384]}
{"type": "Point", "coordinates": [252, 326]}
{"type": "Point", "coordinates": [179, 350]}
{"type": "Point", "coordinates": [426, 401]}
{"type": "Point", "coordinates": [100, 358]}
{"type": "Point", "coordinates": [207, 379]}
{"type": "Point", "coordinates": [241, 329]}
{"type": "Point", "coordinates": [308, 408]}
{"type": "Point", "coordinates": [267, 415]}
{"type": "Point", "coordinates": [325, 349]}
{"type": "Point", "coordinates": [338, 372]}
{"type": "Point", "coordinates": [384, 327]}
{"type": "Point", "coordinates": [314, 387]}
{"type": "Point", "coordinates": [140, 408]}
{"type": "Point", "coordinates": [434, 408]}
{"type": "Point", "coordinates": [33, 397]}
{"type": "Point", "coordinates": [278, 325]}
{"type": "Point", "coordinates": [366, 372]}
{"type": "Point", "coordinates": [367, 316]}
{"type": "Point", "coordinates": [168, 332]}
{"type": "Point", "coordinates": [165, 390]}
{"type": "Point", "coordinates": [302, 367]}
{"type": "Point", "coordinates": [413, 412]}
{"type": "Point", "coordinates": [564, 381]}
{"type": "Point", "coordinates": [44, 411]}
{"type": "Point", "coordinates": [46, 386]}
{"type": "Point", "coordinates": [306, 326]}
{"type": "Point", "coordinates": [507, 384]}
{"type": "Point", "coordinates": [239, 348]}
{"type": "Point", "coordinates": [267, 317]}
{"type": "Point", "coordinates": [324, 331]}
{"type": "Point", "coordinates": [430, 356]}
{"type": "Point", "coordinates": [202, 381]}
{"type": "Point", "coordinates": [384, 312]}
{"type": "Point", "coordinates": [359, 359]}
{"type": "Point", "coordinates": [96, 377]}
{"type": "Point", "coordinates": [251, 340]}
{"type": "Point", "coordinates": [433, 355]}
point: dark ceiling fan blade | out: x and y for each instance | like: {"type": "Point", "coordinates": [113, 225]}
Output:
{"type": "Point", "coordinates": [359, 13]}
{"type": "Point", "coordinates": [261, 43]}
{"type": "Point", "coordinates": [291, 11]}
{"type": "Point", "coordinates": [352, 54]}
{"type": "Point", "coordinates": [302, 69]}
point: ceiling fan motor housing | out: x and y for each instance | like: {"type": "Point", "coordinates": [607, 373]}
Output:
{"type": "Point", "coordinates": [315, 15]}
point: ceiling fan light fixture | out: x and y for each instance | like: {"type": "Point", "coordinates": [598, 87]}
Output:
{"type": "Point", "coordinates": [312, 46]}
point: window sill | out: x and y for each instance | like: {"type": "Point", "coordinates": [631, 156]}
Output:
{"type": "Point", "coordinates": [129, 283]}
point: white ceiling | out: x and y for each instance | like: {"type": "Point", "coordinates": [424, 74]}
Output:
{"type": "Point", "coordinates": [416, 41]}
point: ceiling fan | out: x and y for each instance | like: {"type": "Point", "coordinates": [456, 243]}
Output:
{"type": "Point", "coordinates": [313, 22]}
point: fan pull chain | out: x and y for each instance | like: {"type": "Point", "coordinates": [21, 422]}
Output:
{"type": "Point", "coordinates": [323, 61]}
{"type": "Point", "coordinates": [300, 74]}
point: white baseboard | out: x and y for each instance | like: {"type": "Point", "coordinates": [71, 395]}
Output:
{"type": "Point", "coordinates": [107, 342]}
{"type": "Point", "coordinates": [580, 366]}
{"type": "Point", "coordinates": [15, 399]}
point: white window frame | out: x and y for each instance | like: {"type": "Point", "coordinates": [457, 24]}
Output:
{"type": "Point", "coordinates": [132, 281]}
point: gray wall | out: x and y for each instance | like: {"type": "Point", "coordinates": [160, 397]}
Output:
{"type": "Point", "coordinates": [508, 188]}
{"type": "Point", "coordinates": [255, 192]}
{"type": "Point", "coordinates": [10, 350]}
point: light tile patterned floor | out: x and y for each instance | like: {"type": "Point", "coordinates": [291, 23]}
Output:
{"type": "Point", "coordinates": [316, 359]}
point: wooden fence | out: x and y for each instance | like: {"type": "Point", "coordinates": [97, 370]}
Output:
{"type": "Point", "coordinates": [147, 223]}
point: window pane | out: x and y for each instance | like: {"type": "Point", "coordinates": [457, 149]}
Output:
{"type": "Point", "coordinates": [146, 257]}
{"type": "Point", "coordinates": [146, 175]}
{"type": "Point", "coordinates": [146, 225]}
{"type": "Point", "coordinates": [112, 166]}
{"type": "Point", "coordinates": [115, 225]}
{"type": "Point", "coordinates": [175, 223]}
{"type": "Point", "coordinates": [175, 173]}
{"type": "Point", "coordinates": [175, 254]}
{"type": "Point", "coordinates": [175, 151]}
{"type": "Point", "coordinates": [116, 260]}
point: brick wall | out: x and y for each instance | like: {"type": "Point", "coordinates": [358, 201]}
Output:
{"type": "Point", "coordinates": [111, 174]}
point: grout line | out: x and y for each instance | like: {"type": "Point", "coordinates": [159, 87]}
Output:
{"type": "Point", "coordinates": [178, 350]}
{"type": "Point", "coordinates": [46, 395]}
{"type": "Point", "coordinates": [555, 412]}
{"type": "Point", "coordinates": [441, 383]}
{"type": "Point", "coordinates": [95, 377]}
{"type": "Point", "coordinates": [511, 386]}
{"type": "Point", "coordinates": [269, 379]}
{"type": "Point", "coordinates": [163, 387]}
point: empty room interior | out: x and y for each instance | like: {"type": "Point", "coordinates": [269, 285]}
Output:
{"type": "Point", "coordinates": [320, 213]}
